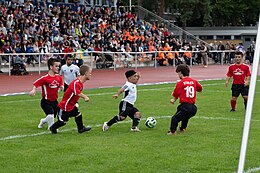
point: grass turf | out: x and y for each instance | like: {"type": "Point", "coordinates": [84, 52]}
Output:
{"type": "Point", "coordinates": [211, 143]}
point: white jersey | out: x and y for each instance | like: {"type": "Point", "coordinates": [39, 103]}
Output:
{"type": "Point", "coordinates": [130, 92]}
{"type": "Point", "coordinates": [69, 73]}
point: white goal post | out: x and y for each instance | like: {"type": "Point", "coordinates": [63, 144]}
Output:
{"type": "Point", "coordinates": [250, 102]}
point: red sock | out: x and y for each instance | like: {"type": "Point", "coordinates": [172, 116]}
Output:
{"type": "Point", "coordinates": [233, 104]}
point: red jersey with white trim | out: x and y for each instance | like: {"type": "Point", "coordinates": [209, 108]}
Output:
{"type": "Point", "coordinates": [50, 86]}
{"type": "Point", "coordinates": [186, 90]}
{"type": "Point", "coordinates": [238, 72]}
{"type": "Point", "coordinates": [71, 97]}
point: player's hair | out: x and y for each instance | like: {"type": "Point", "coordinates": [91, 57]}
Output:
{"type": "Point", "coordinates": [68, 56]}
{"type": "Point", "coordinates": [239, 53]}
{"type": "Point", "coordinates": [184, 69]}
{"type": "Point", "coordinates": [51, 62]}
{"type": "Point", "coordinates": [129, 73]}
{"type": "Point", "coordinates": [83, 69]}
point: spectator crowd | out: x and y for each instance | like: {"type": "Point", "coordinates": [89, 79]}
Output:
{"type": "Point", "coordinates": [38, 27]}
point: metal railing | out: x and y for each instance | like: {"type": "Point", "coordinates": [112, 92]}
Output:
{"type": "Point", "coordinates": [114, 60]}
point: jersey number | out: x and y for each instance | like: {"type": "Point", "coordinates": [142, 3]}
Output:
{"type": "Point", "coordinates": [189, 91]}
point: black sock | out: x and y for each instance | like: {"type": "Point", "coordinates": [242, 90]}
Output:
{"type": "Point", "coordinates": [78, 120]}
{"type": "Point", "coordinates": [245, 103]}
{"type": "Point", "coordinates": [58, 124]}
{"type": "Point", "coordinates": [113, 120]}
{"type": "Point", "coordinates": [135, 122]}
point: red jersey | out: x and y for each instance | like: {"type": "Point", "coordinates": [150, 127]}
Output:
{"type": "Point", "coordinates": [238, 72]}
{"type": "Point", "coordinates": [50, 86]}
{"type": "Point", "coordinates": [71, 97]}
{"type": "Point", "coordinates": [186, 90]}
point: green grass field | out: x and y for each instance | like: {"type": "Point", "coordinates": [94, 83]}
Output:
{"type": "Point", "coordinates": [210, 145]}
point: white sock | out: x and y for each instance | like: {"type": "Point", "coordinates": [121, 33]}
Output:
{"type": "Point", "coordinates": [50, 120]}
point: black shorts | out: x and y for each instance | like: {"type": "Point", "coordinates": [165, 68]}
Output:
{"type": "Point", "coordinates": [65, 87]}
{"type": "Point", "coordinates": [239, 89]}
{"type": "Point", "coordinates": [49, 107]}
{"type": "Point", "coordinates": [185, 111]}
{"type": "Point", "coordinates": [127, 109]}
{"type": "Point", "coordinates": [64, 115]}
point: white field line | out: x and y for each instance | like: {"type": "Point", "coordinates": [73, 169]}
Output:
{"type": "Point", "coordinates": [99, 125]}
{"type": "Point", "coordinates": [145, 84]}
{"type": "Point", "coordinates": [250, 170]}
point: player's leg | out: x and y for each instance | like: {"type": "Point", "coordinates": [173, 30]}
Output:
{"type": "Point", "coordinates": [179, 115]}
{"type": "Point", "coordinates": [235, 93]}
{"type": "Point", "coordinates": [135, 115]}
{"type": "Point", "coordinates": [192, 110]}
{"type": "Point", "coordinates": [244, 93]}
{"type": "Point", "coordinates": [78, 119]}
{"type": "Point", "coordinates": [123, 112]}
{"type": "Point", "coordinates": [62, 119]}
{"type": "Point", "coordinates": [47, 107]}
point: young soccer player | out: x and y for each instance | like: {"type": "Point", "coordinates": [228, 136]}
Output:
{"type": "Point", "coordinates": [185, 90]}
{"type": "Point", "coordinates": [126, 106]}
{"type": "Point", "coordinates": [241, 75]}
{"type": "Point", "coordinates": [50, 84]}
{"type": "Point", "coordinates": [68, 106]}
{"type": "Point", "coordinates": [69, 71]}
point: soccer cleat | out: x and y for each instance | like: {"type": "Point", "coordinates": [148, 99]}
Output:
{"type": "Point", "coordinates": [40, 126]}
{"type": "Point", "coordinates": [171, 132]}
{"type": "Point", "coordinates": [105, 127]}
{"type": "Point", "coordinates": [84, 129]}
{"type": "Point", "coordinates": [53, 130]}
{"type": "Point", "coordinates": [136, 129]}
{"type": "Point", "coordinates": [232, 110]}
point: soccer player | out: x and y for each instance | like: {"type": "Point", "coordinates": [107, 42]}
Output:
{"type": "Point", "coordinates": [186, 90]}
{"type": "Point", "coordinates": [50, 83]}
{"type": "Point", "coordinates": [68, 106]}
{"type": "Point", "coordinates": [240, 73]}
{"type": "Point", "coordinates": [126, 106]}
{"type": "Point", "coordinates": [69, 71]}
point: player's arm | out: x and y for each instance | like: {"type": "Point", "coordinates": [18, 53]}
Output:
{"type": "Point", "coordinates": [33, 91]}
{"type": "Point", "coordinates": [173, 100]}
{"type": "Point", "coordinates": [120, 91]}
{"type": "Point", "coordinates": [227, 80]}
{"type": "Point", "coordinates": [85, 97]}
{"type": "Point", "coordinates": [62, 84]}
{"type": "Point", "coordinates": [247, 78]}
{"type": "Point", "coordinates": [198, 87]}
{"type": "Point", "coordinates": [176, 93]}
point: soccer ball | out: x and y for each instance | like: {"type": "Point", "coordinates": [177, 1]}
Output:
{"type": "Point", "coordinates": [150, 122]}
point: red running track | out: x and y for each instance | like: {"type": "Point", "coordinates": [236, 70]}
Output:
{"type": "Point", "coordinates": [109, 77]}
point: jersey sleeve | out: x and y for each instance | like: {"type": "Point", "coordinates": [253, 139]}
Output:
{"type": "Point", "coordinates": [248, 73]}
{"type": "Point", "coordinates": [125, 86]}
{"type": "Point", "coordinates": [229, 73]}
{"type": "Point", "coordinates": [198, 86]}
{"type": "Point", "coordinates": [76, 88]}
{"type": "Point", "coordinates": [177, 91]}
{"type": "Point", "coordinates": [61, 81]}
{"type": "Point", "coordinates": [39, 82]}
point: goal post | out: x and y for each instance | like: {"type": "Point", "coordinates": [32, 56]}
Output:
{"type": "Point", "coordinates": [250, 102]}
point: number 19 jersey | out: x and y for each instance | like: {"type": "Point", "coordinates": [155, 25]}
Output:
{"type": "Point", "coordinates": [186, 90]}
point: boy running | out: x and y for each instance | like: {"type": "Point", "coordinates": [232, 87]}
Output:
{"type": "Point", "coordinates": [68, 106]}
{"type": "Point", "coordinates": [126, 106]}
{"type": "Point", "coordinates": [50, 84]}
